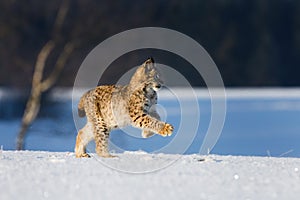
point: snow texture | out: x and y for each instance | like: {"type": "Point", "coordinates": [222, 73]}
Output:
{"type": "Point", "coordinates": [51, 175]}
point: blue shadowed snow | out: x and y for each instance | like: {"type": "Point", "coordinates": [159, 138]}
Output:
{"type": "Point", "coordinates": [255, 125]}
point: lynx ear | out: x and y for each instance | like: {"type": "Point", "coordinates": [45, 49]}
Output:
{"type": "Point", "coordinates": [149, 61]}
{"type": "Point", "coordinates": [140, 70]}
{"type": "Point", "coordinates": [149, 64]}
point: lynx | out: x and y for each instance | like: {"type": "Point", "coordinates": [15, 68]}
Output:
{"type": "Point", "coordinates": [109, 107]}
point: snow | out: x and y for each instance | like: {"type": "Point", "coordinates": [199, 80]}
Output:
{"type": "Point", "coordinates": [59, 175]}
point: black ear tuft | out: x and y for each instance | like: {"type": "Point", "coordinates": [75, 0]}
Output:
{"type": "Point", "coordinates": [149, 63]}
{"type": "Point", "coordinates": [151, 59]}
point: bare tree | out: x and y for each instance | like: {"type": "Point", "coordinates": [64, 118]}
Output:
{"type": "Point", "coordinates": [40, 84]}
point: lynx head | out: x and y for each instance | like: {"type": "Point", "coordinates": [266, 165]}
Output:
{"type": "Point", "coordinates": [146, 74]}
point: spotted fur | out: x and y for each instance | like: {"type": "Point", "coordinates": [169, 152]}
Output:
{"type": "Point", "coordinates": [112, 106]}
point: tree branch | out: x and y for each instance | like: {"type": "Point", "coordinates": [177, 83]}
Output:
{"type": "Point", "coordinates": [38, 85]}
{"type": "Point", "coordinates": [59, 65]}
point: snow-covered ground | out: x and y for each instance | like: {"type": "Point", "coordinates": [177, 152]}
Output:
{"type": "Point", "coordinates": [59, 175]}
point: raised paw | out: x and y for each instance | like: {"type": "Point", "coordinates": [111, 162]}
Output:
{"type": "Point", "coordinates": [167, 130]}
{"type": "Point", "coordinates": [83, 155]}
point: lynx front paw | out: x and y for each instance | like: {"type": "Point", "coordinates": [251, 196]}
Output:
{"type": "Point", "coordinates": [166, 130]}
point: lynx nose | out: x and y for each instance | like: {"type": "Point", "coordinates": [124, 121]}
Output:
{"type": "Point", "coordinates": [157, 87]}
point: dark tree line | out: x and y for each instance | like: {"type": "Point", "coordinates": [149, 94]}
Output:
{"type": "Point", "coordinates": [254, 43]}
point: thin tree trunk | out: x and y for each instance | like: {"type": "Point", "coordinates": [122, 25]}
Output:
{"type": "Point", "coordinates": [38, 85]}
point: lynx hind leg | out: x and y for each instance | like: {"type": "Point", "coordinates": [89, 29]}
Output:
{"type": "Point", "coordinates": [101, 140]}
{"type": "Point", "coordinates": [84, 136]}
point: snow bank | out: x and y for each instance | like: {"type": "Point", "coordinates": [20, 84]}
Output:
{"type": "Point", "coordinates": [50, 175]}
